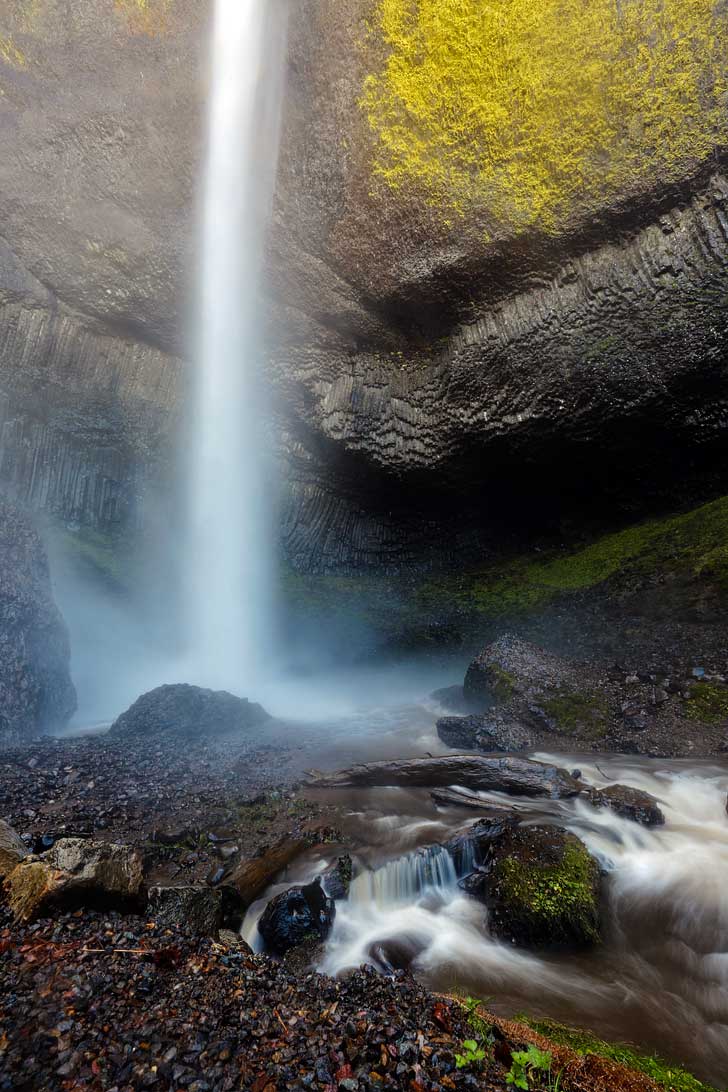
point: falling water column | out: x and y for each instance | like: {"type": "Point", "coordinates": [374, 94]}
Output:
{"type": "Point", "coordinates": [230, 548]}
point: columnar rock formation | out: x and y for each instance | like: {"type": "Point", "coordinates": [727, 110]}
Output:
{"type": "Point", "coordinates": [436, 338]}
{"type": "Point", "coordinates": [36, 693]}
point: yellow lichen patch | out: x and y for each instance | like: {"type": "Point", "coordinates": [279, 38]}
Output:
{"type": "Point", "coordinates": [10, 54]}
{"type": "Point", "coordinates": [528, 110]}
{"type": "Point", "coordinates": [144, 16]}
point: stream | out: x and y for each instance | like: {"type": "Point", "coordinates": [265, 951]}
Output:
{"type": "Point", "coordinates": [660, 978]}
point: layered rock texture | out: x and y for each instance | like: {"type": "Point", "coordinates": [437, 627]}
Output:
{"type": "Point", "coordinates": [36, 692]}
{"type": "Point", "coordinates": [496, 268]}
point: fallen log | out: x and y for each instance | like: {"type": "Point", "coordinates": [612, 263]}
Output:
{"type": "Point", "coordinates": [462, 798]}
{"type": "Point", "coordinates": [515, 776]}
{"type": "Point", "coordinates": [251, 878]}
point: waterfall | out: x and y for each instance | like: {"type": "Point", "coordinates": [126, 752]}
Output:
{"type": "Point", "coordinates": [406, 878]}
{"type": "Point", "coordinates": [229, 554]}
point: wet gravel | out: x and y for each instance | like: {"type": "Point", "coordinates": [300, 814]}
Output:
{"type": "Point", "coordinates": [193, 809]}
{"type": "Point", "coordinates": [111, 1004]}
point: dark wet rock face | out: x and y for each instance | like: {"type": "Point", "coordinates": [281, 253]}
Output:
{"type": "Point", "coordinates": [36, 692]}
{"type": "Point", "coordinates": [188, 711]}
{"type": "Point", "coordinates": [301, 915]}
{"type": "Point", "coordinates": [629, 803]}
{"type": "Point", "coordinates": [199, 909]}
{"type": "Point", "coordinates": [492, 731]}
{"type": "Point", "coordinates": [408, 347]}
{"type": "Point", "coordinates": [542, 888]}
{"type": "Point", "coordinates": [337, 878]}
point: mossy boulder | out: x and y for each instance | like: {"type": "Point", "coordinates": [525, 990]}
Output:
{"type": "Point", "coordinates": [543, 888]}
{"type": "Point", "coordinates": [534, 689]}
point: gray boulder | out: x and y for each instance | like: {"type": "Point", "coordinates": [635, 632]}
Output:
{"type": "Point", "coordinates": [197, 908]}
{"type": "Point", "coordinates": [535, 692]}
{"type": "Point", "coordinates": [629, 803]}
{"type": "Point", "coordinates": [188, 711]}
{"type": "Point", "coordinates": [76, 873]}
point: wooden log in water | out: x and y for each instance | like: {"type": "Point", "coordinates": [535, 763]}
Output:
{"type": "Point", "coordinates": [462, 798]}
{"type": "Point", "coordinates": [515, 776]}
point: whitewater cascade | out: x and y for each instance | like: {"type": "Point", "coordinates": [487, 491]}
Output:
{"type": "Point", "coordinates": [665, 920]}
{"type": "Point", "coordinates": [228, 570]}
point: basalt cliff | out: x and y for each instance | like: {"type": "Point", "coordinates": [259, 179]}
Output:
{"type": "Point", "coordinates": [496, 271]}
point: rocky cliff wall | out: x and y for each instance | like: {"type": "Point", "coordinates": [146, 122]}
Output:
{"type": "Point", "coordinates": [36, 693]}
{"type": "Point", "coordinates": [527, 324]}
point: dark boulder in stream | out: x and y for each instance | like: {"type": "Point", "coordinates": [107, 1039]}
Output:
{"type": "Point", "coordinates": [492, 731]}
{"type": "Point", "coordinates": [542, 888]}
{"type": "Point", "coordinates": [188, 711]}
{"type": "Point", "coordinates": [629, 803]}
{"type": "Point", "coordinates": [515, 776]}
{"type": "Point", "coordinates": [301, 915]}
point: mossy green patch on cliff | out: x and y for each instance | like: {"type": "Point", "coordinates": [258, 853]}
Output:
{"type": "Point", "coordinates": [144, 16]}
{"type": "Point", "coordinates": [694, 544]}
{"type": "Point", "coordinates": [10, 54]}
{"type": "Point", "coordinates": [551, 901]}
{"type": "Point", "coordinates": [708, 702]}
{"type": "Point", "coordinates": [584, 715]}
{"type": "Point", "coordinates": [525, 111]}
{"type": "Point", "coordinates": [664, 1074]}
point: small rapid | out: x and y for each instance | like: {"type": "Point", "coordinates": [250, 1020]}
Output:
{"type": "Point", "coordinates": [660, 978]}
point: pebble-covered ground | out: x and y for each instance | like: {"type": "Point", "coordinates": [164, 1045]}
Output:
{"type": "Point", "coordinates": [194, 809]}
{"type": "Point", "coordinates": [110, 1004]}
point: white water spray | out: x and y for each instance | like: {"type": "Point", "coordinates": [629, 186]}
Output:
{"type": "Point", "coordinates": [229, 555]}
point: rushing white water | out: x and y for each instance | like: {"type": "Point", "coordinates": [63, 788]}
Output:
{"type": "Point", "coordinates": [229, 562]}
{"type": "Point", "coordinates": [661, 977]}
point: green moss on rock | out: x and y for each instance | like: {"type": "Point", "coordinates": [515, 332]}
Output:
{"type": "Point", "coordinates": [708, 702]}
{"type": "Point", "coordinates": [664, 1074]}
{"type": "Point", "coordinates": [583, 715]}
{"type": "Point", "coordinates": [545, 887]}
{"type": "Point", "coordinates": [694, 544]}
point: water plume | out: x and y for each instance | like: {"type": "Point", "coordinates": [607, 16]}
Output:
{"type": "Point", "coordinates": [230, 553]}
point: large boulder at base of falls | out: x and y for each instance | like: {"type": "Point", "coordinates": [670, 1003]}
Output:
{"type": "Point", "coordinates": [535, 692]}
{"type": "Point", "coordinates": [301, 915]}
{"type": "Point", "coordinates": [516, 776]}
{"type": "Point", "coordinates": [12, 849]}
{"type": "Point", "coordinates": [542, 888]}
{"type": "Point", "coordinates": [76, 873]}
{"type": "Point", "coordinates": [36, 692]}
{"type": "Point", "coordinates": [184, 710]}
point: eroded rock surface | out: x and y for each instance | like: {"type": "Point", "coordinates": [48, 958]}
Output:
{"type": "Point", "coordinates": [36, 692]}
{"type": "Point", "coordinates": [12, 849]}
